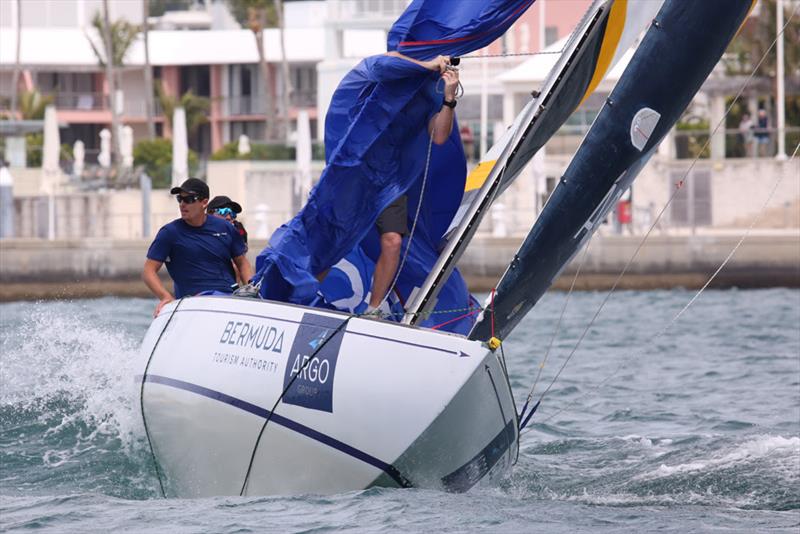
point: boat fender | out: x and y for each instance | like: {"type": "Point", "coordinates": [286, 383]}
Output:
{"type": "Point", "coordinates": [494, 343]}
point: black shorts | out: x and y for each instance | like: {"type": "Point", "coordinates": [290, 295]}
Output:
{"type": "Point", "coordinates": [395, 217]}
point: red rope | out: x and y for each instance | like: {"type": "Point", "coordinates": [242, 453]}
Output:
{"type": "Point", "coordinates": [438, 326]}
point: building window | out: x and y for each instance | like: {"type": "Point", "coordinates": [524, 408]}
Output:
{"type": "Point", "coordinates": [304, 85]}
{"type": "Point", "coordinates": [252, 129]}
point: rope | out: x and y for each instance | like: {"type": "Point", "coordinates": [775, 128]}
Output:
{"type": "Point", "coordinates": [691, 301]}
{"type": "Point", "coordinates": [414, 224]}
{"type": "Point", "coordinates": [679, 185]}
{"type": "Point", "coordinates": [542, 53]}
{"type": "Point", "coordinates": [552, 341]}
{"type": "Point", "coordinates": [272, 411]}
{"type": "Point", "coordinates": [438, 326]}
{"type": "Point", "coordinates": [141, 399]}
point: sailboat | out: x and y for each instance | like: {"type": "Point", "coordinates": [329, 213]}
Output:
{"type": "Point", "coordinates": [295, 392]}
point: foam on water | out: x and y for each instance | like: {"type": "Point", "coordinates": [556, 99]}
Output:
{"type": "Point", "coordinates": [59, 355]}
{"type": "Point", "coordinates": [777, 449]}
{"type": "Point", "coordinates": [68, 400]}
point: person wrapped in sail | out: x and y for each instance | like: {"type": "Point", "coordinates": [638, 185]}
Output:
{"type": "Point", "coordinates": [376, 147]}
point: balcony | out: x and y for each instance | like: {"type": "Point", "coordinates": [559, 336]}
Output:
{"type": "Point", "coordinates": [82, 101]}
{"type": "Point", "coordinates": [256, 104]}
{"type": "Point", "coordinates": [246, 105]}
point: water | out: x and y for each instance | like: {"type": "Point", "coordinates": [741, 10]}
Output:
{"type": "Point", "coordinates": [699, 430]}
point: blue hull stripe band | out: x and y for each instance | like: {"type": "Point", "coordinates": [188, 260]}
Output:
{"type": "Point", "coordinates": [284, 422]}
{"type": "Point", "coordinates": [470, 473]}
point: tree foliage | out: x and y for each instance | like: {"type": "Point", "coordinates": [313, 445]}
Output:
{"type": "Point", "coordinates": [256, 15]}
{"type": "Point", "coordinates": [755, 39]}
{"type": "Point", "coordinates": [123, 34]}
{"type": "Point", "coordinates": [156, 158]}
{"type": "Point", "coordinates": [32, 105]}
{"type": "Point", "coordinates": [195, 107]}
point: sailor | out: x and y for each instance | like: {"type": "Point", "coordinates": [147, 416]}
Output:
{"type": "Point", "coordinates": [225, 208]}
{"type": "Point", "coordinates": [197, 249]}
{"type": "Point", "coordinates": [392, 222]}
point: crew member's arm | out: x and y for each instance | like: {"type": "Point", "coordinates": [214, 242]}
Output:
{"type": "Point", "coordinates": [244, 267]}
{"type": "Point", "coordinates": [153, 282]}
{"type": "Point", "coordinates": [442, 123]}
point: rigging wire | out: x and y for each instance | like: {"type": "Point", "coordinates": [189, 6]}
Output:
{"type": "Point", "coordinates": [541, 53]}
{"type": "Point", "coordinates": [660, 214]}
{"type": "Point", "coordinates": [692, 300]}
{"type": "Point", "coordinates": [553, 339]}
{"type": "Point", "coordinates": [141, 399]}
{"type": "Point", "coordinates": [338, 329]}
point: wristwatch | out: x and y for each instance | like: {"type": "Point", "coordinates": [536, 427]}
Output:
{"type": "Point", "coordinates": [449, 103]}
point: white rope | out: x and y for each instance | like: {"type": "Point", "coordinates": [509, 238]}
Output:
{"type": "Point", "coordinates": [677, 316]}
{"type": "Point", "coordinates": [560, 319]}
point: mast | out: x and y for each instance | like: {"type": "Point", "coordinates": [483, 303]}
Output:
{"type": "Point", "coordinates": [525, 134]}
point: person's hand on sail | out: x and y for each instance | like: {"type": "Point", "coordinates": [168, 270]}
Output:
{"type": "Point", "coordinates": [450, 77]}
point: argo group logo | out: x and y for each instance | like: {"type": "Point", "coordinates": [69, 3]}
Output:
{"type": "Point", "coordinates": [312, 360]}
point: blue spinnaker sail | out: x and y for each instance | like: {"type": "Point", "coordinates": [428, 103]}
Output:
{"type": "Point", "coordinates": [376, 144]}
{"type": "Point", "coordinates": [428, 28]}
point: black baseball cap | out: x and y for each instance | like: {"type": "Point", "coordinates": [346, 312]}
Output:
{"type": "Point", "coordinates": [192, 186]}
{"type": "Point", "coordinates": [221, 201]}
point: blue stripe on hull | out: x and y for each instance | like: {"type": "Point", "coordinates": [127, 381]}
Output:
{"type": "Point", "coordinates": [470, 473]}
{"type": "Point", "coordinates": [459, 480]}
{"type": "Point", "coordinates": [284, 422]}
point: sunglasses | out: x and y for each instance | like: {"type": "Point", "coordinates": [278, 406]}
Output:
{"type": "Point", "coordinates": [187, 199]}
{"type": "Point", "coordinates": [225, 212]}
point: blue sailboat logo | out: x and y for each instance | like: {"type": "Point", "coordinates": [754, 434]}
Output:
{"type": "Point", "coordinates": [314, 343]}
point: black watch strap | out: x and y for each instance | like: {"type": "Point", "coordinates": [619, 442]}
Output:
{"type": "Point", "coordinates": [449, 103]}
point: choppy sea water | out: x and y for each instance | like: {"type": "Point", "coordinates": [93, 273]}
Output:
{"type": "Point", "coordinates": [698, 430]}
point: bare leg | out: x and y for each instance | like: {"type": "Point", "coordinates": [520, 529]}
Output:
{"type": "Point", "coordinates": [386, 268]}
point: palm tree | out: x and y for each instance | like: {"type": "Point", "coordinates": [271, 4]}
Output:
{"type": "Point", "coordinates": [257, 15]}
{"type": "Point", "coordinates": [117, 38]}
{"type": "Point", "coordinates": [287, 82]}
{"type": "Point", "coordinates": [195, 107]}
{"type": "Point", "coordinates": [32, 105]}
{"type": "Point", "coordinates": [148, 72]}
{"type": "Point", "coordinates": [17, 64]}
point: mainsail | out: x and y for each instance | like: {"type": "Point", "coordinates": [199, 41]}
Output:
{"type": "Point", "coordinates": [607, 30]}
{"type": "Point", "coordinates": [680, 49]}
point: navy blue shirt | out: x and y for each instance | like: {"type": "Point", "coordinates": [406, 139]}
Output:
{"type": "Point", "coordinates": [198, 258]}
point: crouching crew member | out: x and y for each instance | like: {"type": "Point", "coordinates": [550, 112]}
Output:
{"type": "Point", "coordinates": [197, 249]}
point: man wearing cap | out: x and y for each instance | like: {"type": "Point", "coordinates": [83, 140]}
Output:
{"type": "Point", "coordinates": [197, 249]}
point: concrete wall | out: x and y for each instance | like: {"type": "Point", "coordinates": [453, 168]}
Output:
{"type": "Point", "coordinates": [765, 259]}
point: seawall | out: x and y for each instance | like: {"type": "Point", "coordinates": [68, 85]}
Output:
{"type": "Point", "coordinates": [37, 269]}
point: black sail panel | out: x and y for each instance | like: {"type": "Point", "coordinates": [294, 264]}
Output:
{"type": "Point", "coordinates": [676, 55]}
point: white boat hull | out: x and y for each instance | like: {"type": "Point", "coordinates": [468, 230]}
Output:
{"type": "Point", "coordinates": [377, 403]}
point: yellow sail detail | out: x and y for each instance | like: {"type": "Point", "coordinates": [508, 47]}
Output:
{"type": "Point", "coordinates": [614, 27]}
{"type": "Point", "coordinates": [478, 175]}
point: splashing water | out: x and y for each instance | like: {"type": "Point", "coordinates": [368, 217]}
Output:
{"type": "Point", "coordinates": [68, 394]}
